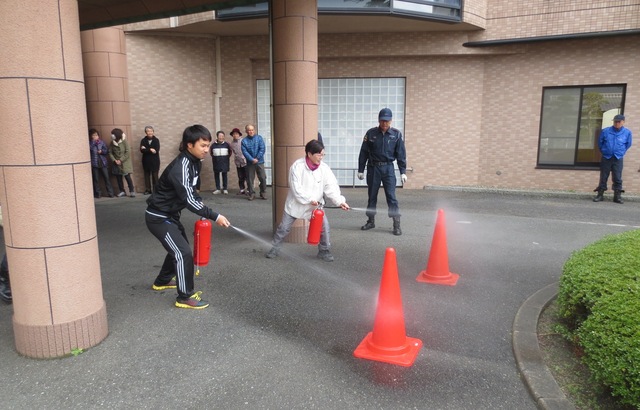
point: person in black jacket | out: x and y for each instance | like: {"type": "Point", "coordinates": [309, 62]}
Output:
{"type": "Point", "coordinates": [381, 146]}
{"type": "Point", "coordinates": [150, 148]}
{"type": "Point", "coordinates": [174, 192]}
{"type": "Point", "coordinates": [220, 154]}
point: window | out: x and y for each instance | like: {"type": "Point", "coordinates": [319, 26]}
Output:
{"type": "Point", "coordinates": [347, 108]}
{"type": "Point", "coordinates": [571, 121]}
{"type": "Point", "coordinates": [437, 10]}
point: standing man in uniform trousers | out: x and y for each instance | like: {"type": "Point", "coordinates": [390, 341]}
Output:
{"type": "Point", "coordinates": [380, 147]}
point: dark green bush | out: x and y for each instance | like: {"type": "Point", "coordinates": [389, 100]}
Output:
{"type": "Point", "coordinates": [610, 338]}
{"type": "Point", "coordinates": [599, 300]}
{"type": "Point", "coordinates": [601, 268]}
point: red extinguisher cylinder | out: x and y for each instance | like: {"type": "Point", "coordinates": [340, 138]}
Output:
{"type": "Point", "coordinates": [202, 242]}
{"type": "Point", "coordinates": [315, 227]}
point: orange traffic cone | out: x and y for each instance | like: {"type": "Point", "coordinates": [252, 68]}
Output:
{"type": "Point", "coordinates": [388, 342]}
{"type": "Point", "coordinates": [437, 270]}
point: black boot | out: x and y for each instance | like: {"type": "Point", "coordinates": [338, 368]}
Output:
{"type": "Point", "coordinates": [599, 196]}
{"type": "Point", "coordinates": [617, 196]}
{"type": "Point", "coordinates": [396, 226]}
{"type": "Point", "coordinates": [370, 224]}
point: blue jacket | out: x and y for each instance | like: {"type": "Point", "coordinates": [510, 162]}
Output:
{"type": "Point", "coordinates": [614, 142]}
{"type": "Point", "coordinates": [253, 147]}
{"type": "Point", "coordinates": [98, 160]}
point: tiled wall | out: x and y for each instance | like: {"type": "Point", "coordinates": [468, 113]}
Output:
{"type": "Point", "coordinates": [472, 114]}
{"type": "Point", "coordinates": [171, 86]}
{"type": "Point", "coordinates": [518, 19]}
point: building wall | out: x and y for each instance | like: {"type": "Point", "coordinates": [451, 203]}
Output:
{"type": "Point", "coordinates": [171, 86]}
{"type": "Point", "coordinates": [521, 19]}
{"type": "Point", "coordinates": [472, 114]}
{"type": "Point", "coordinates": [512, 102]}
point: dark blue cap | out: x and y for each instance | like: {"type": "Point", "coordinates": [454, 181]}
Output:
{"type": "Point", "coordinates": [385, 114]}
{"type": "Point", "coordinates": [618, 117]}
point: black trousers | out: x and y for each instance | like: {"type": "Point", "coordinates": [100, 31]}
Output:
{"type": "Point", "coordinates": [216, 176]}
{"type": "Point", "coordinates": [387, 175]}
{"type": "Point", "coordinates": [121, 183]}
{"type": "Point", "coordinates": [96, 173]}
{"type": "Point", "coordinates": [242, 177]}
{"type": "Point", "coordinates": [608, 166]}
{"type": "Point", "coordinates": [179, 259]}
{"type": "Point", "coordinates": [150, 176]}
{"type": "Point", "coordinates": [4, 270]}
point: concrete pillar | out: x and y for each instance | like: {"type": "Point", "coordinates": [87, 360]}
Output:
{"type": "Point", "coordinates": [104, 57]}
{"type": "Point", "coordinates": [294, 25]}
{"type": "Point", "coordinates": [45, 181]}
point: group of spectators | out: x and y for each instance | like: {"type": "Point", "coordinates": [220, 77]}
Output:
{"type": "Point", "coordinates": [119, 151]}
{"type": "Point", "coordinates": [248, 153]}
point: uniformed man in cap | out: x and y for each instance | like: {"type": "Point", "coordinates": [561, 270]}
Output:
{"type": "Point", "coordinates": [380, 147]}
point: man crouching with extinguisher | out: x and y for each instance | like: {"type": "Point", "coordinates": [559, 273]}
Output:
{"type": "Point", "coordinates": [310, 180]}
{"type": "Point", "coordinates": [174, 192]}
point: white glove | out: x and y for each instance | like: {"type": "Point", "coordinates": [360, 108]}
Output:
{"type": "Point", "coordinates": [403, 177]}
{"type": "Point", "coordinates": [360, 176]}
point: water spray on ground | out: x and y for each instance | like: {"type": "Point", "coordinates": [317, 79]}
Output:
{"type": "Point", "coordinates": [325, 273]}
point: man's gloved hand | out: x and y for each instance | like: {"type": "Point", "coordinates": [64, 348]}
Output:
{"type": "Point", "coordinates": [403, 177]}
{"type": "Point", "coordinates": [360, 176]}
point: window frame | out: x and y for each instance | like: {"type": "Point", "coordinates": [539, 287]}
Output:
{"type": "Point", "coordinates": [575, 165]}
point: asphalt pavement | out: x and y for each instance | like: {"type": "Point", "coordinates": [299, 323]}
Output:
{"type": "Point", "coordinates": [280, 334]}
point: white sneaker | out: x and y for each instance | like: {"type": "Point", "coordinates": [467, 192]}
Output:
{"type": "Point", "coordinates": [216, 192]}
{"type": "Point", "coordinates": [225, 192]}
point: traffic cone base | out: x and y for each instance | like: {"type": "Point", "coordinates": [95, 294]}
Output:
{"type": "Point", "coordinates": [448, 279]}
{"type": "Point", "coordinates": [403, 355]}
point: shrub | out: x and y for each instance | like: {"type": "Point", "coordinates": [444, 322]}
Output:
{"type": "Point", "coordinates": [610, 337]}
{"type": "Point", "coordinates": [601, 268]}
{"type": "Point", "coordinates": [599, 300]}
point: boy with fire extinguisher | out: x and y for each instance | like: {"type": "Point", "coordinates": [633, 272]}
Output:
{"type": "Point", "coordinates": [174, 192]}
{"type": "Point", "coordinates": [310, 180]}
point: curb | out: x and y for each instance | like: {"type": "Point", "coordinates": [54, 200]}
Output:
{"type": "Point", "coordinates": [536, 375]}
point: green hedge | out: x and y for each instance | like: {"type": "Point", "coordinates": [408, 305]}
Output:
{"type": "Point", "coordinates": [599, 300]}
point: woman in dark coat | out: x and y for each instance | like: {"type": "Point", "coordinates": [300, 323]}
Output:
{"type": "Point", "coordinates": [150, 148]}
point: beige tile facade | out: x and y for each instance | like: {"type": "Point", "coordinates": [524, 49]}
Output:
{"type": "Point", "coordinates": [472, 114]}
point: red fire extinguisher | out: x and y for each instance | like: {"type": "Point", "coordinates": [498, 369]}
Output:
{"type": "Point", "coordinates": [201, 243]}
{"type": "Point", "coordinates": [315, 226]}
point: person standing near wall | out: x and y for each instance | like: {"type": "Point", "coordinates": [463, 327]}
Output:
{"type": "Point", "coordinates": [239, 160]}
{"type": "Point", "coordinates": [120, 155]}
{"type": "Point", "coordinates": [220, 154]}
{"type": "Point", "coordinates": [99, 164]}
{"type": "Point", "coordinates": [380, 147]}
{"type": "Point", "coordinates": [613, 143]}
{"type": "Point", "coordinates": [150, 148]}
{"type": "Point", "coordinates": [253, 149]}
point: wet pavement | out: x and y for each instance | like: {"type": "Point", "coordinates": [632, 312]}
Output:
{"type": "Point", "coordinates": [281, 333]}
